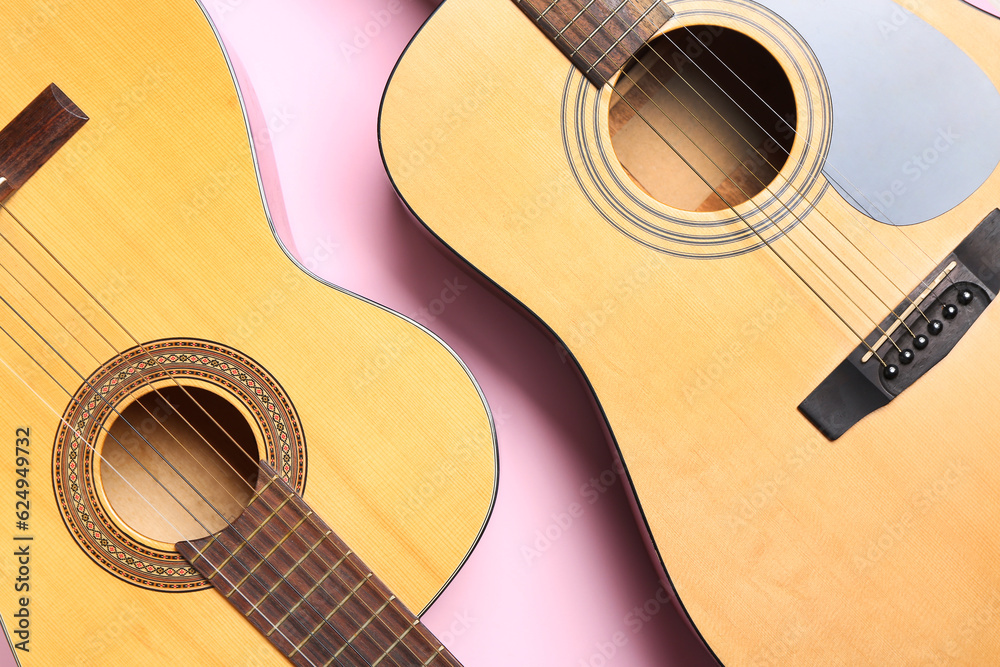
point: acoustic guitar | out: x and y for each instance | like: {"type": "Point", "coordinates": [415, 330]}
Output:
{"type": "Point", "coordinates": [767, 233]}
{"type": "Point", "coordinates": [212, 457]}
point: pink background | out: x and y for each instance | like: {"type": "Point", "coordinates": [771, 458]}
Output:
{"type": "Point", "coordinates": [572, 597]}
{"type": "Point", "coordinates": [572, 601]}
{"type": "Point", "coordinates": [991, 6]}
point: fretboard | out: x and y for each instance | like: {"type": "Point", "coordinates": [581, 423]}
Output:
{"type": "Point", "coordinates": [293, 579]}
{"type": "Point", "coordinates": [598, 36]}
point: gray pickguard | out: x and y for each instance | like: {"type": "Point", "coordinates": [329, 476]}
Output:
{"type": "Point", "coordinates": [916, 121]}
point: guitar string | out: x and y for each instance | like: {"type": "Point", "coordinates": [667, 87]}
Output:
{"type": "Point", "coordinates": [795, 244]}
{"type": "Point", "coordinates": [118, 354]}
{"type": "Point", "coordinates": [743, 218]}
{"type": "Point", "coordinates": [203, 498]}
{"type": "Point", "coordinates": [239, 477]}
{"type": "Point", "coordinates": [851, 192]}
{"type": "Point", "coordinates": [146, 381]}
{"type": "Point", "coordinates": [795, 189]}
{"type": "Point", "coordinates": [892, 312]}
{"type": "Point", "coordinates": [150, 445]}
{"type": "Point", "coordinates": [104, 461]}
{"type": "Point", "coordinates": [174, 437]}
{"type": "Point", "coordinates": [766, 188]}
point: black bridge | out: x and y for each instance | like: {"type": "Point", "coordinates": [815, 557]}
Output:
{"type": "Point", "coordinates": [953, 296]}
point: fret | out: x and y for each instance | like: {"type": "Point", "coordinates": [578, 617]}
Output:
{"type": "Point", "coordinates": [239, 548]}
{"type": "Point", "coordinates": [598, 39]}
{"type": "Point", "coordinates": [366, 624]}
{"type": "Point", "coordinates": [573, 21]}
{"type": "Point", "coordinates": [618, 41]}
{"type": "Point", "coordinates": [310, 551]}
{"type": "Point", "coordinates": [438, 654]}
{"type": "Point", "coordinates": [264, 560]}
{"type": "Point", "coordinates": [305, 590]}
{"type": "Point", "coordinates": [593, 32]}
{"type": "Point", "coordinates": [545, 11]}
{"type": "Point", "coordinates": [329, 573]}
{"type": "Point", "coordinates": [344, 602]}
{"type": "Point", "coordinates": [255, 607]}
{"type": "Point", "coordinates": [399, 639]}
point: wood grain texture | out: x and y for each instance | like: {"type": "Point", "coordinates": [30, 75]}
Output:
{"type": "Point", "coordinates": [154, 205]}
{"type": "Point", "coordinates": [34, 136]}
{"type": "Point", "coordinates": [880, 549]}
{"type": "Point", "coordinates": [598, 36]}
{"type": "Point", "coordinates": [296, 581]}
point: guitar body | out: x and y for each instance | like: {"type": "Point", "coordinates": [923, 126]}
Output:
{"type": "Point", "coordinates": [154, 207]}
{"type": "Point", "coordinates": [879, 548]}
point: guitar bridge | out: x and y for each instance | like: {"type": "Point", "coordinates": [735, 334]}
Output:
{"type": "Point", "coordinates": [937, 315]}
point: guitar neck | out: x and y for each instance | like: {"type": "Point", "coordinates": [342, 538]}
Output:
{"type": "Point", "coordinates": [598, 36]}
{"type": "Point", "coordinates": [303, 588]}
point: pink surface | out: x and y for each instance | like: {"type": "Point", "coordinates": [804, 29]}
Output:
{"type": "Point", "coordinates": [991, 6]}
{"type": "Point", "coordinates": [561, 567]}
{"type": "Point", "coordinates": [570, 598]}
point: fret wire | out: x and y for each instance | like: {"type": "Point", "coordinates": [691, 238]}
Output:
{"type": "Point", "coordinates": [366, 578]}
{"type": "Point", "coordinates": [366, 624]}
{"type": "Point", "coordinates": [269, 553]}
{"type": "Point", "coordinates": [200, 553]}
{"type": "Point", "coordinates": [308, 594]}
{"type": "Point", "coordinates": [259, 602]}
{"type": "Point", "coordinates": [392, 599]}
{"type": "Point", "coordinates": [437, 654]}
{"type": "Point", "coordinates": [573, 20]}
{"type": "Point", "coordinates": [547, 9]}
{"type": "Point", "coordinates": [310, 551]}
{"type": "Point", "coordinates": [246, 540]}
{"type": "Point", "coordinates": [344, 601]}
{"type": "Point", "coordinates": [598, 29]}
{"type": "Point", "coordinates": [303, 598]}
{"type": "Point", "coordinates": [624, 35]}
{"type": "Point", "coordinates": [399, 639]}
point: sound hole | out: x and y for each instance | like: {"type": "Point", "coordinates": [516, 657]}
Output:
{"type": "Point", "coordinates": [178, 464]}
{"type": "Point", "coordinates": [731, 99]}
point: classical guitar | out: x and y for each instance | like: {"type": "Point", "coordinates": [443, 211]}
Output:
{"type": "Point", "coordinates": [212, 457]}
{"type": "Point", "coordinates": [767, 233]}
